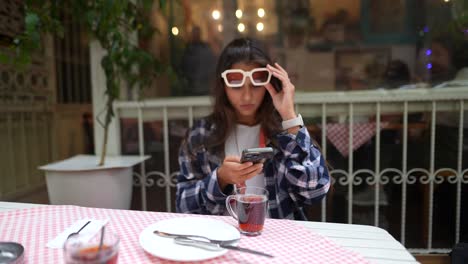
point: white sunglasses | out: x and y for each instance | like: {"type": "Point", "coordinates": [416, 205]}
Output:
{"type": "Point", "coordinates": [236, 77]}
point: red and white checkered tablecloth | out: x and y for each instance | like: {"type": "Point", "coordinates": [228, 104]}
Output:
{"type": "Point", "coordinates": [338, 135]}
{"type": "Point", "coordinates": [288, 241]}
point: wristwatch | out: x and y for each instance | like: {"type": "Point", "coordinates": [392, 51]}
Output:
{"type": "Point", "coordinates": [287, 124]}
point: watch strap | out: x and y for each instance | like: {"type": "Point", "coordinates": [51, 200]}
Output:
{"type": "Point", "coordinates": [287, 124]}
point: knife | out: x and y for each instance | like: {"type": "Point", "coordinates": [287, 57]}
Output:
{"type": "Point", "coordinates": [213, 246]}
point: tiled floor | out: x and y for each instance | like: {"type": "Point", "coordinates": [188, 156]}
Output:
{"type": "Point", "coordinates": [432, 259]}
{"type": "Point", "coordinates": [39, 197]}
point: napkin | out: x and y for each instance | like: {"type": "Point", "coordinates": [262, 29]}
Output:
{"type": "Point", "coordinates": [87, 233]}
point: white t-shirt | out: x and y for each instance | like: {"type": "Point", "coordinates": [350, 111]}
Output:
{"type": "Point", "coordinates": [243, 137]}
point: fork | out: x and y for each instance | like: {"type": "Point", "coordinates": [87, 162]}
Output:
{"type": "Point", "coordinates": [79, 230]}
{"type": "Point", "coordinates": [219, 242]}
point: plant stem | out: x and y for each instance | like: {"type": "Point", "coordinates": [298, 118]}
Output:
{"type": "Point", "coordinates": [109, 114]}
{"type": "Point", "coordinates": [104, 145]}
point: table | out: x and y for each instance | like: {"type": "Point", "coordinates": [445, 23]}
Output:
{"type": "Point", "coordinates": [372, 243]}
{"type": "Point", "coordinates": [363, 132]}
{"type": "Point", "coordinates": [338, 135]}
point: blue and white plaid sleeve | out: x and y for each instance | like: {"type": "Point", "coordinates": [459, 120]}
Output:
{"type": "Point", "coordinates": [197, 183]}
{"type": "Point", "coordinates": [302, 171]}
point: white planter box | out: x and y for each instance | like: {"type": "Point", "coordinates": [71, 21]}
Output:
{"type": "Point", "coordinates": [80, 181]}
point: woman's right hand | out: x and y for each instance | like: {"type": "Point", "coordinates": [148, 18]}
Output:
{"type": "Point", "coordinates": [232, 171]}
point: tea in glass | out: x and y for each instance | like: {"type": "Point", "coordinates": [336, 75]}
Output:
{"type": "Point", "coordinates": [249, 207]}
{"type": "Point", "coordinates": [80, 249]}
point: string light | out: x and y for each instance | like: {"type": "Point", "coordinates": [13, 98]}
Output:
{"type": "Point", "coordinates": [239, 13]}
{"type": "Point", "coordinates": [220, 28]}
{"type": "Point", "coordinates": [260, 26]}
{"type": "Point", "coordinates": [261, 12]}
{"type": "Point", "coordinates": [175, 31]}
{"type": "Point", "coordinates": [241, 27]}
{"type": "Point", "coordinates": [216, 14]}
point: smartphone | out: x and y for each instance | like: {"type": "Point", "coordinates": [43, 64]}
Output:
{"type": "Point", "coordinates": [276, 83]}
{"type": "Point", "coordinates": [256, 155]}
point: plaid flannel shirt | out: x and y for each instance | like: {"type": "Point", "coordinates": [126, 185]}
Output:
{"type": "Point", "coordinates": [296, 175]}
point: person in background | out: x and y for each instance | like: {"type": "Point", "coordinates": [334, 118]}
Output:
{"type": "Point", "coordinates": [198, 65]}
{"type": "Point", "coordinates": [441, 58]}
{"type": "Point", "coordinates": [397, 74]}
{"type": "Point", "coordinates": [449, 70]}
{"type": "Point", "coordinates": [253, 106]}
{"type": "Point", "coordinates": [436, 61]}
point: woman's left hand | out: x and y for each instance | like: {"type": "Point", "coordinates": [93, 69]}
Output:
{"type": "Point", "coordinates": [284, 99]}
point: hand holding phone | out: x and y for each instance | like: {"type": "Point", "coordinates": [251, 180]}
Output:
{"type": "Point", "coordinates": [256, 155]}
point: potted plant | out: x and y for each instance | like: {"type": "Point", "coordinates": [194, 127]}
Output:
{"type": "Point", "coordinates": [102, 181]}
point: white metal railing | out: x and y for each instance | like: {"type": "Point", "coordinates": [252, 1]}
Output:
{"type": "Point", "coordinates": [318, 109]}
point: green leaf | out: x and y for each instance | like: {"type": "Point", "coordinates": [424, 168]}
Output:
{"type": "Point", "coordinates": [4, 58]}
{"type": "Point", "coordinates": [162, 4]}
{"type": "Point", "coordinates": [31, 21]}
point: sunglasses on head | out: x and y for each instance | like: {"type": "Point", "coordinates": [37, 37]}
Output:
{"type": "Point", "coordinates": [236, 77]}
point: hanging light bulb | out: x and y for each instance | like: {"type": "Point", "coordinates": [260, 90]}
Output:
{"type": "Point", "coordinates": [241, 27]}
{"type": "Point", "coordinates": [216, 14]}
{"type": "Point", "coordinates": [239, 13]}
{"type": "Point", "coordinates": [260, 26]}
{"type": "Point", "coordinates": [261, 12]}
{"type": "Point", "coordinates": [175, 31]}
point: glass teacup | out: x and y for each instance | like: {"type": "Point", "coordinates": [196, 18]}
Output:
{"type": "Point", "coordinates": [250, 209]}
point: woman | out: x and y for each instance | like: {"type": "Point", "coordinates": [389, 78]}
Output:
{"type": "Point", "coordinates": [253, 106]}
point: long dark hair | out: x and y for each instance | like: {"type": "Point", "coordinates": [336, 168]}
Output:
{"type": "Point", "coordinates": [249, 51]}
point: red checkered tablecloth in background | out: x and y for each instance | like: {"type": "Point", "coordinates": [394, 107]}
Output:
{"type": "Point", "coordinates": [338, 135]}
{"type": "Point", "coordinates": [288, 241]}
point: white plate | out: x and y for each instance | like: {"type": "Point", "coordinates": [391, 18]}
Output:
{"type": "Point", "coordinates": [166, 248]}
